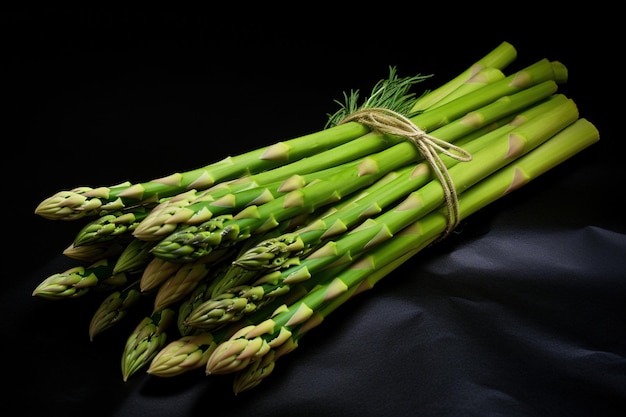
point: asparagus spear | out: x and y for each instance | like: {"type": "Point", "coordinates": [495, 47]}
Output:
{"type": "Point", "coordinates": [86, 201]}
{"type": "Point", "coordinates": [110, 226]}
{"type": "Point", "coordinates": [182, 355]}
{"type": "Point", "coordinates": [145, 341]}
{"type": "Point", "coordinates": [134, 256]}
{"type": "Point", "coordinates": [252, 343]}
{"type": "Point", "coordinates": [79, 280]}
{"type": "Point", "coordinates": [181, 283]}
{"type": "Point", "coordinates": [498, 58]}
{"type": "Point", "coordinates": [156, 272]}
{"type": "Point", "coordinates": [164, 221]}
{"type": "Point", "coordinates": [114, 308]}
{"type": "Point", "coordinates": [481, 78]}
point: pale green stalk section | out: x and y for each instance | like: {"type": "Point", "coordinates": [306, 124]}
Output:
{"type": "Point", "coordinates": [499, 58]}
{"type": "Point", "coordinates": [478, 80]}
{"type": "Point", "coordinates": [252, 343]}
{"type": "Point", "coordinates": [562, 146]}
{"type": "Point", "coordinates": [540, 71]}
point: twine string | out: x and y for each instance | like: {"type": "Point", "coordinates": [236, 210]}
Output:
{"type": "Point", "coordinates": [387, 121]}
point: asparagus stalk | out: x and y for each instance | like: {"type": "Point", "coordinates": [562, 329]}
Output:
{"type": "Point", "coordinates": [86, 201]}
{"type": "Point", "coordinates": [223, 197]}
{"type": "Point", "coordinates": [215, 201]}
{"type": "Point", "coordinates": [540, 71]}
{"type": "Point", "coordinates": [253, 342]}
{"type": "Point", "coordinates": [391, 93]}
{"type": "Point", "coordinates": [499, 58]}
{"type": "Point", "coordinates": [483, 77]}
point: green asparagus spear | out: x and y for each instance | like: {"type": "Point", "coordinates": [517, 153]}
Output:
{"type": "Point", "coordinates": [114, 308]}
{"type": "Point", "coordinates": [79, 280]}
{"type": "Point", "coordinates": [146, 340]}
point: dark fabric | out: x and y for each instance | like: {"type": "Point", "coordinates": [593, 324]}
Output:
{"type": "Point", "coordinates": [521, 312]}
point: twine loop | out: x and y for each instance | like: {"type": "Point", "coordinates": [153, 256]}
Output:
{"type": "Point", "coordinates": [387, 121]}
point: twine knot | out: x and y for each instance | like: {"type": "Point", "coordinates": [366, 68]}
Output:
{"type": "Point", "coordinates": [387, 121]}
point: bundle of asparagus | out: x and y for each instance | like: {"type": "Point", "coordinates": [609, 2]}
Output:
{"type": "Point", "coordinates": [242, 257]}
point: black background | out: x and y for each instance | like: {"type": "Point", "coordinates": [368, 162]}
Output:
{"type": "Point", "coordinates": [522, 312]}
